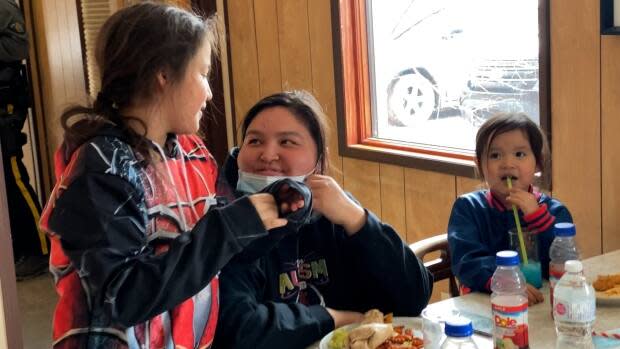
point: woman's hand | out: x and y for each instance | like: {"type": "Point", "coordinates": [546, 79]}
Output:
{"type": "Point", "coordinates": [332, 202]}
{"type": "Point", "coordinates": [534, 296]}
{"type": "Point", "coordinates": [267, 210]}
{"type": "Point", "coordinates": [345, 317]}
{"type": "Point", "coordinates": [524, 200]}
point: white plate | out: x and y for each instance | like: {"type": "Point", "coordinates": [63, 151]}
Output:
{"type": "Point", "coordinates": [409, 322]}
{"type": "Point", "coordinates": [603, 299]}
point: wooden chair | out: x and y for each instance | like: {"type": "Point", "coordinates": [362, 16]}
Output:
{"type": "Point", "coordinates": [439, 267]}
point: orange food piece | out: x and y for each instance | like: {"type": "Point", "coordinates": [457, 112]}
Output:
{"type": "Point", "coordinates": [403, 338]}
{"type": "Point", "coordinates": [614, 291]}
{"type": "Point", "coordinates": [606, 282]}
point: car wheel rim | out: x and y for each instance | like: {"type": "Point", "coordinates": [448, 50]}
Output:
{"type": "Point", "coordinates": [413, 99]}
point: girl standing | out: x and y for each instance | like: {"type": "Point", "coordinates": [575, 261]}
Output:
{"type": "Point", "coordinates": [137, 239]}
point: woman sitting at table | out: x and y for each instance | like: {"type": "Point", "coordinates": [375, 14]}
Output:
{"type": "Point", "coordinates": [345, 261]}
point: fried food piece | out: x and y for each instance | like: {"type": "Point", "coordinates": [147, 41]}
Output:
{"type": "Point", "coordinates": [614, 291]}
{"type": "Point", "coordinates": [370, 336]}
{"type": "Point", "coordinates": [606, 282]}
{"type": "Point", "coordinates": [373, 316]}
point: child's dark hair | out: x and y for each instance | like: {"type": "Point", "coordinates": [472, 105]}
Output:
{"type": "Point", "coordinates": [306, 108]}
{"type": "Point", "coordinates": [505, 122]}
{"type": "Point", "coordinates": [134, 45]}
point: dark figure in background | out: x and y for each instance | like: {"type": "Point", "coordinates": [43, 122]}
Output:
{"type": "Point", "coordinates": [30, 246]}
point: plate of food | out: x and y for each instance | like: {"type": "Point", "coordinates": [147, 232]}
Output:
{"type": "Point", "coordinates": [607, 289]}
{"type": "Point", "coordinates": [377, 332]}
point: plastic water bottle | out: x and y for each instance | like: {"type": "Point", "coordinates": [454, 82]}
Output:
{"type": "Point", "coordinates": [509, 303]}
{"type": "Point", "coordinates": [563, 248]}
{"type": "Point", "coordinates": [574, 308]}
{"type": "Point", "coordinates": [458, 331]}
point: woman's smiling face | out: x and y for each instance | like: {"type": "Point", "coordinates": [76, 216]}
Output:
{"type": "Point", "coordinates": [276, 143]}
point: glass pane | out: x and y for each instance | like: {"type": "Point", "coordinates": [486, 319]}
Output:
{"type": "Point", "coordinates": [440, 68]}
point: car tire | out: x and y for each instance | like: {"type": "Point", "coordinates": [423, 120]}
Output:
{"type": "Point", "coordinates": [412, 97]}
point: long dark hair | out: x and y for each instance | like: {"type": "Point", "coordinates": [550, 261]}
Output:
{"type": "Point", "coordinates": [133, 46]}
{"type": "Point", "coordinates": [308, 111]}
{"type": "Point", "coordinates": [505, 122]}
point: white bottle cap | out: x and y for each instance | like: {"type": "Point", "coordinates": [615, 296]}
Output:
{"type": "Point", "coordinates": [573, 266]}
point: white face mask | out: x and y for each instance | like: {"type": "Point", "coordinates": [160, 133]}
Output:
{"type": "Point", "coordinates": [251, 183]}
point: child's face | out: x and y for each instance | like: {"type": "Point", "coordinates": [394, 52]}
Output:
{"type": "Point", "coordinates": [190, 96]}
{"type": "Point", "coordinates": [510, 154]}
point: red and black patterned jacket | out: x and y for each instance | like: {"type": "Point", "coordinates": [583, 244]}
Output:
{"type": "Point", "coordinates": [136, 249]}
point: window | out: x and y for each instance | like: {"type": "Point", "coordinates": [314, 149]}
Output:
{"type": "Point", "coordinates": [416, 78]}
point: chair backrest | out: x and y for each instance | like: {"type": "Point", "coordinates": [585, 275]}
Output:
{"type": "Point", "coordinates": [439, 267]}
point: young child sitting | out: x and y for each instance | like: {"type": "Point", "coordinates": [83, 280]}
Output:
{"type": "Point", "coordinates": [508, 145]}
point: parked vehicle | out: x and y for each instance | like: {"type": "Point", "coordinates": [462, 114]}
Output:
{"type": "Point", "coordinates": [477, 56]}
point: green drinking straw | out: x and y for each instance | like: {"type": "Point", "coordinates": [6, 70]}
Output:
{"type": "Point", "coordinates": [519, 231]}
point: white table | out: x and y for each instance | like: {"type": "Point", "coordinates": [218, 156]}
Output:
{"type": "Point", "coordinates": [541, 327]}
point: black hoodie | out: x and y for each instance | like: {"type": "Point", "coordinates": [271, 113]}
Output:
{"type": "Point", "coordinates": [275, 301]}
{"type": "Point", "coordinates": [134, 254]}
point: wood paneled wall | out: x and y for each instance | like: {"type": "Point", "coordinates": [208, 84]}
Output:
{"type": "Point", "coordinates": [287, 44]}
{"type": "Point", "coordinates": [576, 116]}
{"type": "Point", "coordinates": [610, 143]}
{"type": "Point", "coordinates": [57, 37]}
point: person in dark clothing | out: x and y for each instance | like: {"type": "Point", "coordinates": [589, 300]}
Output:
{"type": "Point", "coordinates": [507, 145]}
{"type": "Point", "coordinates": [13, 36]}
{"type": "Point", "coordinates": [138, 236]}
{"type": "Point", "coordinates": [344, 262]}
{"type": "Point", "coordinates": [30, 247]}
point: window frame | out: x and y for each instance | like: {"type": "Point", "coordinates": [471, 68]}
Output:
{"type": "Point", "coordinates": [353, 99]}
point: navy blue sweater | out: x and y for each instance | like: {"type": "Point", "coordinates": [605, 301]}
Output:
{"type": "Point", "coordinates": [273, 299]}
{"type": "Point", "coordinates": [478, 229]}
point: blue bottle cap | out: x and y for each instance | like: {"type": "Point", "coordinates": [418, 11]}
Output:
{"type": "Point", "coordinates": [564, 229]}
{"type": "Point", "coordinates": [507, 258]}
{"type": "Point", "coordinates": [459, 327]}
